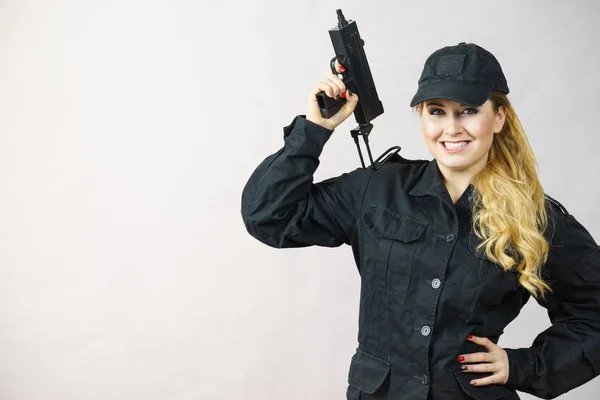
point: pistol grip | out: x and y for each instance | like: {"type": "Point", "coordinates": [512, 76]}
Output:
{"type": "Point", "coordinates": [328, 106]}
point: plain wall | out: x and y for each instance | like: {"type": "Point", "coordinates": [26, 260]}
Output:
{"type": "Point", "coordinates": [127, 131]}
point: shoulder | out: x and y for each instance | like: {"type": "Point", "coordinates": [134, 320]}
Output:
{"type": "Point", "coordinates": [573, 261]}
{"type": "Point", "coordinates": [404, 167]}
{"type": "Point", "coordinates": [395, 167]}
{"type": "Point", "coordinates": [559, 219]}
{"type": "Point", "coordinates": [571, 244]}
{"type": "Point", "coordinates": [554, 206]}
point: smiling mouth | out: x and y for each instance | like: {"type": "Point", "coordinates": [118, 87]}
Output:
{"type": "Point", "coordinates": [455, 145]}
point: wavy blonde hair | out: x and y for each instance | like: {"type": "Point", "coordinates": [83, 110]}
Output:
{"type": "Point", "coordinates": [509, 207]}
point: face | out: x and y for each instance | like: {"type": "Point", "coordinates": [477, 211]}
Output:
{"type": "Point", "coordinates": [458, 136]}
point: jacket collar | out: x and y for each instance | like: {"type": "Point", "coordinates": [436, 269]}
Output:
{"type": "Point", "coordinates": [431, 183]}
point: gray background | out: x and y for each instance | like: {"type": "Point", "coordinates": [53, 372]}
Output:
{"type": "Point", "coordinates": [127, 131]}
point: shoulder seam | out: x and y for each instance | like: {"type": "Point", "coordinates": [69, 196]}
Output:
{"type": "Point", "coordinates": [556, 203]}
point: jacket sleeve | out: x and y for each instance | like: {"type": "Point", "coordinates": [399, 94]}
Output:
{"type": "Point", "coordinates": [282, 207]}
{"type": "Point", "coordinates": [567, 354]}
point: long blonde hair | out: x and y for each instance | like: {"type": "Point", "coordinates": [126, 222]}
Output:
{"type": "Point", "coordinates": [509, 207]}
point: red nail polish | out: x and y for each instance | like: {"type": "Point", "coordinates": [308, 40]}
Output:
{"type": "Point", "coordinates": [343, 95]}
{"type": "Point", "coordinates": [342, 69]}
{"type": "Point", "coordinates": [470, 337]}
{"type": "Point", "coordinates": [461, 358]}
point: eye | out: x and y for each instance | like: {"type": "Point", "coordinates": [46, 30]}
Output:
{"type": "Point", "coordinates": [470, 111]}
{"type": "Point", "coordinates": [436, 111]}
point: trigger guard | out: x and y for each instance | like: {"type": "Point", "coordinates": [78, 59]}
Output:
{"type": "Point", "coordinates": [332, 66]}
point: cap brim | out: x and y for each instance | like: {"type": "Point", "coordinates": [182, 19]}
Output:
{"type": "Point", "coordinates": [471, 94]}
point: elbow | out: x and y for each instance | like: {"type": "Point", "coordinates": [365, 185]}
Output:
{"type": "Point", "coordinates": [262, 231]}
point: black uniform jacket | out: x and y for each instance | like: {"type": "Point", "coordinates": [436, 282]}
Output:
{"type": "Point", "coordinates": [424, 288]}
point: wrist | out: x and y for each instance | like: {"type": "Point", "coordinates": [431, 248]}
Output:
{"type": "Point", "coordinates": [321, 123]}
{"type": "Point", "coordinates": [521, 367]}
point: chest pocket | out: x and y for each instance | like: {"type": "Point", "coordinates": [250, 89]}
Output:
{"type": "Point", "coordinates": [496, 284]}
{"type": "Point", "coordinates": [391, 242]}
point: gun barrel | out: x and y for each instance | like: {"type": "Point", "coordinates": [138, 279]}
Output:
{"type": "Point", "coordinates": [342, 23]}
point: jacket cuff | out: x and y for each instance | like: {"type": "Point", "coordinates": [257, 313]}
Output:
{"type": "Point", "coordinates": [303, 131]}
{"type": "Point", "coordinates": [521, 368]}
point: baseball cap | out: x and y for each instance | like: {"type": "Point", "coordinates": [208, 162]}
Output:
{"type": "Point", "coordinates": [465, 73]}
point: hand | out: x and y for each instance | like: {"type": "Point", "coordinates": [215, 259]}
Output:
{"type": "Point", "coordinates": [495, 361]}
{"type": "Point", "coordinates": [333, 86]}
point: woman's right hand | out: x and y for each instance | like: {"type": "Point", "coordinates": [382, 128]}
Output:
{"type": "Point", "coordinates": [332, 86]}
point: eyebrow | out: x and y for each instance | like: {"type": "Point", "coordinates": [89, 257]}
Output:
{"type": "Point", "coordinates": [433, 103]}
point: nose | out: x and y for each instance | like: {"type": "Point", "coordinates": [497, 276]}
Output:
{"type": "Point", "coordinates": [453, 126]}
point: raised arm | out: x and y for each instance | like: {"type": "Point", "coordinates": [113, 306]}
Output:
{"type": "Point", "coordinates": [282, 207]}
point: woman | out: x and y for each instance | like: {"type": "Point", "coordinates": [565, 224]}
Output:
{"type": "Point", "coordinates": [448, 250]}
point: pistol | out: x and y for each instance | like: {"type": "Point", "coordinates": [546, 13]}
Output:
{"type": "Point", "coordinates": [349, 52]}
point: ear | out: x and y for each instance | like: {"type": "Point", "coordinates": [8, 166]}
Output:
{"type": "Point", "coordinates": [499, 119]}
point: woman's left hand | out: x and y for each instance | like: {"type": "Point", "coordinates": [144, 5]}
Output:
{"type": "Point", "coordinates": [495, 361]}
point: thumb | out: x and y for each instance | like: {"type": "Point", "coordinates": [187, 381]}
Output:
{"type": "Point", "coordinates": [350, 105]}
{"type": "Point", "coordinates": [351, 99]}
{"type": "Point", "coordinates": [347, 109]}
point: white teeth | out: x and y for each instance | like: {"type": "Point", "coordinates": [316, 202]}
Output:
{"type": "Point", "coordinates": [458, 145]}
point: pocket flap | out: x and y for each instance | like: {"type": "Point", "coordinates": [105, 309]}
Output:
{"type": "Point", "coordinates": [367, 372]}
{"type": "Point", "coordinates": [393, 226]}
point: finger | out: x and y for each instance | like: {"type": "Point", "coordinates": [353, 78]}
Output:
{"type": "Point", "coordinates": [479, 368]}
{"type": "Point", "coordinates": [476, 358]}
{"type": "Point", "coordinates": [337, 84]}
{"type": "Point", "coordinates": [339, 68]}
{"type": "Point", "coordinates": [347, 108]}
{"type": "Point", "coordinates": [488, 380]}
{"type": "Point", "coordinates": [323, 86]}
{"type": "Point", "coordinates": [483, 341]}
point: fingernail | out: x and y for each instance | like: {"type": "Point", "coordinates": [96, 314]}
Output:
{"type": "Point", "coordinates": [473, 383]}
{"type": "Point", "coordinates": [461, 358]}
{"type": "Point", "coordinates": [470, 337]}
{"type": "Point", "coordinates": [342, 69]}
{"type": "Point", "coordinates": [463, 367]}
{"type": "Point", "coordinates": [343, 95]}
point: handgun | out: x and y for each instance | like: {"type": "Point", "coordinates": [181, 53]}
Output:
{"type": "Point", "coordinates": [349, 52]}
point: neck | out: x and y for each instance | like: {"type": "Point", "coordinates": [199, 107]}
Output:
{"type": "Point", "coordinates": [457, 180]}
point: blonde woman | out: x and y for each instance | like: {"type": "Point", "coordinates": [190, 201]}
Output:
{"type": "Point", "coordinates": [448, 250]}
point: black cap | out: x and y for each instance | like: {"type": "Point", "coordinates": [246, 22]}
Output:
{"type": "Point", "coordinates": [465, 73]}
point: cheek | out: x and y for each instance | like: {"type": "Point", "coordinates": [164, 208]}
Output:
{"type": "Point", "coordinates": [430, 130]}
{"type": "Point", "coordinates": [482, 129]}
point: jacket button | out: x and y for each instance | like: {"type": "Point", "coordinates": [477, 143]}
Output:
{"type": "Point", "coordinates": [436, 283]}
{"type": "Point", "coordinates": [450, 238]}
{"type": "Point", "coordinates": [424, 380]}
{"type": "Point", "coordinates": [425, 331]}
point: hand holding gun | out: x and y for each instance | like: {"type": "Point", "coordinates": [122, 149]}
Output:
{"type": "Point", "coordinates": [350, 70]}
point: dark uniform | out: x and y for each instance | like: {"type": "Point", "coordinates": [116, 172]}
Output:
{"type": "Point", "coordinates": [424, 288]}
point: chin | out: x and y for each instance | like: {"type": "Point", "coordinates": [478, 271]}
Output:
{"type": "Point", "coordinates": [455, 164]}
